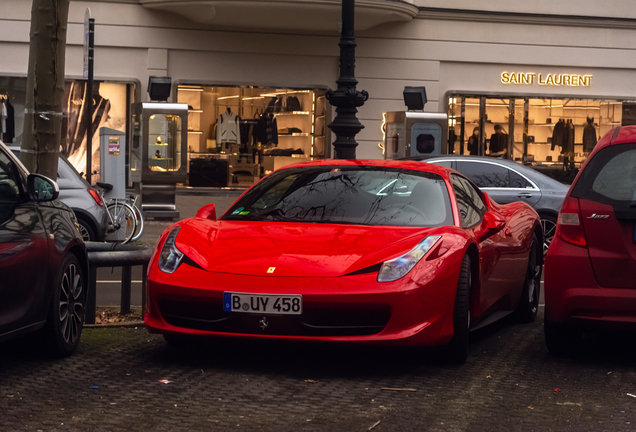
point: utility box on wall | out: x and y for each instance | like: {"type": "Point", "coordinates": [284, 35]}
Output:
{"type": "Point", "coordinates": [415, 133]}
{"type": "Point", "coordinates": [112, 162]}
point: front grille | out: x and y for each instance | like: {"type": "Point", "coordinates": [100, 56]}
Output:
{"type": "Point", "coordinates": [316, 321]}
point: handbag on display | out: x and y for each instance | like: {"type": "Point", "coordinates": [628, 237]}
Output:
{"type": "Point", "coordinates": [293, 104]}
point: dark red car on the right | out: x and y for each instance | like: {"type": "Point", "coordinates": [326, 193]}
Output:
{"type": "Point", "coordinates": [590, 269]}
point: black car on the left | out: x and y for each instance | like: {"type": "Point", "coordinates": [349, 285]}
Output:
{"type": "Point", "coordinates": [43, 262]}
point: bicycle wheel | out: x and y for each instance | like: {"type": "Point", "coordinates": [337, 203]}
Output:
{"type": "Point", "coordinates": [140, 223]}
{"type": "Point", "coordinates": [125, 222]}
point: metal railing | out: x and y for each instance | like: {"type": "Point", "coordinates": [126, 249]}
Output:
{"type": "Point", "coordinates": [115, 255]}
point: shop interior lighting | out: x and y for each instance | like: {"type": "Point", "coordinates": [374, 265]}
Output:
{"type": "Point", "coordinates": [250, 98]}
{"type": "Point", "coordinates": [195, 89]}
{"type": "Point", "coordinates": [228, 97]}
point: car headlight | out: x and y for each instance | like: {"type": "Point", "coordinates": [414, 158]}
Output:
{"type": "Point", "coordinates": [170, 257]}
{"type": "Point", "coordinates": [398, 267]}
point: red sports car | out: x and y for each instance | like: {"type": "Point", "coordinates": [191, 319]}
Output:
{"type": "Point", "coordinates": [392, 252]}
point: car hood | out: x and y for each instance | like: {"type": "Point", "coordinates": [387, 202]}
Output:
{"type": "Point", "coordinates": [293, 249]}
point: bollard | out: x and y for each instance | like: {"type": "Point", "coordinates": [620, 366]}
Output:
{"type": "Point", "coordinates": [126, 282]}
{"type": "Point", "coordinates": [91, 300]}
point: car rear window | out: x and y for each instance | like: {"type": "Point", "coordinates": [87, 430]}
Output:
{"type": "Point", "coordinates": [348, 195]}
{"type": "Point", "coordinates": [610, 177]}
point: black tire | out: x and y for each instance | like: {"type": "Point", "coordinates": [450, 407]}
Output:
{"type": "Point", "coordinates": [548, 224]}
{"type": "Point", "coordinates": [86, 230]}
{"type": "Point", "coordinates": [561, 340]}
{"type": "Point", "coordinates": [66, 314]}
{"type": "Point", "coordinates": [457, 349]}
{"type": "Point", "coordinates": [529, 301]}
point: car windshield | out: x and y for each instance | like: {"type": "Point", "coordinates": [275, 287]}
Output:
{"type": "Point", "coordinates": [348, 195]}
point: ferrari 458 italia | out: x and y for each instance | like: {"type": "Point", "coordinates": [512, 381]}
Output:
{"type": "Point", "coordinates": [387, 252]}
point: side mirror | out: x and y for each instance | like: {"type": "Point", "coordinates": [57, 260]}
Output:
{"type": "Point", "coordinates": [42, 188]}
{"type": "Point", "coordinates": [207, 212]}
{"type": "Point", "coordinates": [492, 222]}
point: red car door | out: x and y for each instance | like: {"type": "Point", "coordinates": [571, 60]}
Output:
{"type": "Point", "coordinates": [496, 263]}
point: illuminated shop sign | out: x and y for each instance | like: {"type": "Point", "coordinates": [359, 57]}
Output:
{"type": "Point", "coordinates": [529, 78]}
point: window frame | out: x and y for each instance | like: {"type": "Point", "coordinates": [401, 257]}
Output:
{"type": "Point", "coordinates": [479, 194]}
{"type": "Point", "coordinates": [533, 184]}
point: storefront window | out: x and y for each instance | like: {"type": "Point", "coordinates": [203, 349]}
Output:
{"type": "Point", "coordinates": [539, 131]}
{"type": "Point", "coordinates": [164, 142]}
{"type": "Point", "coordinates": [236, 135]}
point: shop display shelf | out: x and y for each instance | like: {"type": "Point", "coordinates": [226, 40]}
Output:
{"type": "Point", "coordinates": [292, 113]}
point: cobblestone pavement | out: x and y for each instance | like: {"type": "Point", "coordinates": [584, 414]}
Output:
{"type": "Point", "coordinates": [509, 383]}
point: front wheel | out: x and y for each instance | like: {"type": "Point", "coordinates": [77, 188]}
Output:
{"type": "Point", "coordinates": [529, 301]}
{"type": "Point", "coordinates": [457, 350]}
{"type": "Point", "coordinates": [66, 315]}
{"type": "Point", "coordinates": [124, 222]}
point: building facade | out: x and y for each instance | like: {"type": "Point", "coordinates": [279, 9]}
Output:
{"type": "Point", "coordinates": [531, 67]}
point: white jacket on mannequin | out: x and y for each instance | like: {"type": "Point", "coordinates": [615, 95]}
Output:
{"type": "Point", "coordinates": [227, 128]}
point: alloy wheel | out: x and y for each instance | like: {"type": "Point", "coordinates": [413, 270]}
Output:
{"type": "Point", "coordinates": [71, 309]}
{"type": "Point", "coordinates": [549, 228]}
{"type": "Point", "coordinates": [84, 233]}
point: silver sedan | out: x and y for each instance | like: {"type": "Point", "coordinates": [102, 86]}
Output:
{"type": "Point", "coordinates": [507, 181]}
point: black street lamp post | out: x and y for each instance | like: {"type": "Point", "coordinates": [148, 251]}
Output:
{"type": "Point", "coordinates": [346, 98]}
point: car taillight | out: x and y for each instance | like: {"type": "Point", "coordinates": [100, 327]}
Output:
{"type": "Point", "coordinates": [569, 227]}
{"type": "Point", "coordinates": [95, 196]}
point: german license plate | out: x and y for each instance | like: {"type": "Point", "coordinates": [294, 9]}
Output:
{"type": "Point", "coordinates": [263, 304]}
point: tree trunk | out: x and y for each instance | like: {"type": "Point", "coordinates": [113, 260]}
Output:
{"type": "Point", "coordinates": [45, 86]}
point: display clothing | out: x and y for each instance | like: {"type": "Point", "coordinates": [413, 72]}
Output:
{"type": "Point", "coordinates": [559, 135]}
{"type": "Point", "coordinates": [589, 136]}
{"type": "Point", "coordinates": [275, 105]}
{"type": "Point", "coordinates": [227, 128]}
{"type": "Point", "coordinates": [267, 129]}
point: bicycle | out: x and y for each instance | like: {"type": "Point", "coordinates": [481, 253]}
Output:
{"type": "Point", "coordinates": [126, 222]}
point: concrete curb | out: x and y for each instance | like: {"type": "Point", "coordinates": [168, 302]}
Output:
{"type": "Point", "coordinates": [139, 323]}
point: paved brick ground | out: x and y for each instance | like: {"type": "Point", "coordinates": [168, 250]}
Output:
{"type": "Point", "coordinates": [508, 384]}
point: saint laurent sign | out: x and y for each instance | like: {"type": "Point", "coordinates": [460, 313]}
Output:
{"type": "Point", "coordinates": [529, 78]}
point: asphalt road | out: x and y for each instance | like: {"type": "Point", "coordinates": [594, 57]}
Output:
{"type": "Point", "coordinates": [109, 279]}
{"type": "Point", "coordinates": [509, 383]}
